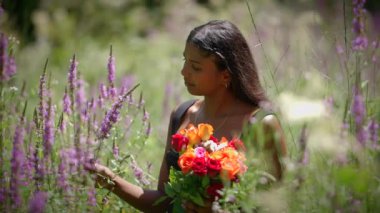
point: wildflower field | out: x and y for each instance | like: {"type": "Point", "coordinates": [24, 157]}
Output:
{"type": "Point", "coordinates": [97, 81]}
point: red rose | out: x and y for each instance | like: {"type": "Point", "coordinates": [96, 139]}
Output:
{"type": "Point", "coordinates": [213, 167]}
{"type": "Point", "coordinates": [214, 190]}
{"type": "Point", "coordinates": [199, 166]}
{"type": "Point", "coordinates": [237, 144]}
{"type": "Point", "coordinates": [179, 142]}
{"type": "Point", "coordinates": [214, 139]}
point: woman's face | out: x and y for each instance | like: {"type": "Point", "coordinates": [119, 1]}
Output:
{"type": "Point", "coordinates": [200, 73]}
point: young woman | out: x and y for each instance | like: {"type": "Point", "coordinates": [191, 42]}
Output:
{"type": "Point", "coordinates": [218, 65]}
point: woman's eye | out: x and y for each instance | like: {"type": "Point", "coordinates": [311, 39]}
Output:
{"type": "Point", "coordinates": [195, 67]}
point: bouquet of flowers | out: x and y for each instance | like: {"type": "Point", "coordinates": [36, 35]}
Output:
{"type": "Point", "coordinates": [207, 165]}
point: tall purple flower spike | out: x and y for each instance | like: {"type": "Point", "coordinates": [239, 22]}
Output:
{"type": "Point", "coordinates": [113, 115]}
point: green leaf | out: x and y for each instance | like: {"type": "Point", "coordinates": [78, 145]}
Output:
{"type": "Point", "coordinates": [205, 181]}
{"type": "Point", "coordinates": [177, 206]}
{"type": "Point", "coordinates": [169, 190]}
{"type": "Point", "coordinates": [197, 199]}
{"type": "Point", "coordinates": [158, 201]}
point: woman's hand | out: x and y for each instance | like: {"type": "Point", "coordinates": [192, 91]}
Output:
{"type": "Point", "coordinates": [104, 176]}
{"type": "Point", "coordinates": [192, 207]}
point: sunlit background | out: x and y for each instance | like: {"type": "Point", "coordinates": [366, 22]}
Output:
{"type": "Point", "coordinates": [303, 49]}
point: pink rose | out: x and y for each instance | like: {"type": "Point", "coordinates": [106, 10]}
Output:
{"type": "Point", "coordinates": [200, 152]}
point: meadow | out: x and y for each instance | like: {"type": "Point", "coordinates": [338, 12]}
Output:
{"type": "Point", "coordinates": [101, 79]}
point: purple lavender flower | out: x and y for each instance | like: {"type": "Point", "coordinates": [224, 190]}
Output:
{"type": "Point", "coordinates": [339, 49]}
{"type": "Point", "coordinates": [100, 102]}
{"type": "Point", "coordinates": [112, 115]}
{"type": "Point", "coordinates": [48, 138]}
{"type": "Point", "coordinates": [111, 118]}
{"type": "Point", "coordinates": [62, 178]}
{"type": "Point", "coordinates": [3, 190]}
{"type": "Point", "coordinates": [126, 84]}
{"type": "Point", "coordinates": [70, 157]}
{"type": "Point", "coordinates": [130, 100]}
{"type": "Point", "coordinates": [111, 68]}
{"type": "Point", "coordinates": [72, 75]}
{"type": "Point", "coordinates": [29, 157]}
{"type": "Point", "coordinates": [103, 91]}
{"type": "Point", "coordinates": [145, 115]}
{"type": "Point", "coordinates": [10, 68]}
{"type": "Point", "coordinates": [92, 196]}
{"type": "Point", "coordinates": [358, 108]}
{"type": "Point", "coordinates": [344, 130]}
{"type": "Point", "coordinates": [115, 150]}
{"type": "Point", "coordinates": [66, 103]}
{"type": "Point", "coordinates": [17, 164]}
{"type": "Point", "coordinates": [373, 127]}
{"type": "Point", "coordinates": [357, 24]}
{"type": "Point", "coordinates": [139, 174]}
{"type": "Point", "coordinates": [362, 135]}
{"type": "Point", "coordinates": [141, 102]}
{"type": "Point", "coordinates": [375, 44]}
{"type": "Point", "coordinates": [112, 91]}
{"type": "Point", "coordinates": [42, 95]}
{"type": "Point", "coordinates": [38, 167]}
{"type": "Point", "coordinates": [3, 56]}
{"type": "Point", "coordinates": [91, 104]}
{"type": "Point", "coordinates": [360, 42]}
{"type": "Point", "coordinates": [148, 130]}
{"type": "Point", "coordinates": [62, 123]}
{"type": "Point", "coordinates": [29, 165]}
{"type": "Point", "coordinates": [38, 202]}
{"type": "Point", "coordinates": [80, 96]}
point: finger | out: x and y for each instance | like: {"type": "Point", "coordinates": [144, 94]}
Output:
{"type": "Point", "coordinates": [101, 182]}
{"type": "Point", "coordinates": [91, 166]}
{"type": "Point", "coordinates": [193, 207]}
{"type": "Point", "coordinates": [188, 206]}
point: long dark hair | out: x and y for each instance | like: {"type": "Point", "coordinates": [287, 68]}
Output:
{"type": "Point", "coordinates": [224, 40]}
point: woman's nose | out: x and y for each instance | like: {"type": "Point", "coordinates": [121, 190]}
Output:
{"type": "Point", "coordinates": [183, 71]}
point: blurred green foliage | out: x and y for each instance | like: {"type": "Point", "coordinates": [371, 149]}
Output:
{"type": "Point", "coordinates": [296, 45]}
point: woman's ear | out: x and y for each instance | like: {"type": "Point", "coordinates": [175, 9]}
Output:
{"type": "Point", "coordinates": [226, 77]}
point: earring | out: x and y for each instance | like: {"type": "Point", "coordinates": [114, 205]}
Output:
{"type": "Point", "coordinates": [226, 85]}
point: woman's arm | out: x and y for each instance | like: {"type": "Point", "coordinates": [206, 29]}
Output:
{"type": "Point", "coordinates": [134, 195]}
{"type": "Point", "coordinates": [274, 144]}
{"type": "Point", "coordinates": [142, 199]}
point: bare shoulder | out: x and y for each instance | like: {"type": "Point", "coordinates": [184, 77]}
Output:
{"type": "Point", "coordinates": [193, 109]}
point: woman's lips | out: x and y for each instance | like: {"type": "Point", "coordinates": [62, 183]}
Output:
{"type": "Point", "coordinates": [189, 84]}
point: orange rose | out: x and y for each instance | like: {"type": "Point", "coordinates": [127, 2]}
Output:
{"type": "Point", "coordinates": [205, 131]}
{"type": "Point", "coordinates": [188, 127]}
{"type": "Point", "coordinates": [191, 132]}
{"type": "Point", "coordinates": [217, 155]}
{"type": "Point", "coordinates": [223, 140]}
{"type": "Point", "coordinates": [185, 161]}
{"type": "Point", "coordinates": [230, 168]}
{"type": "Point", "coordinates": [230, 153]}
